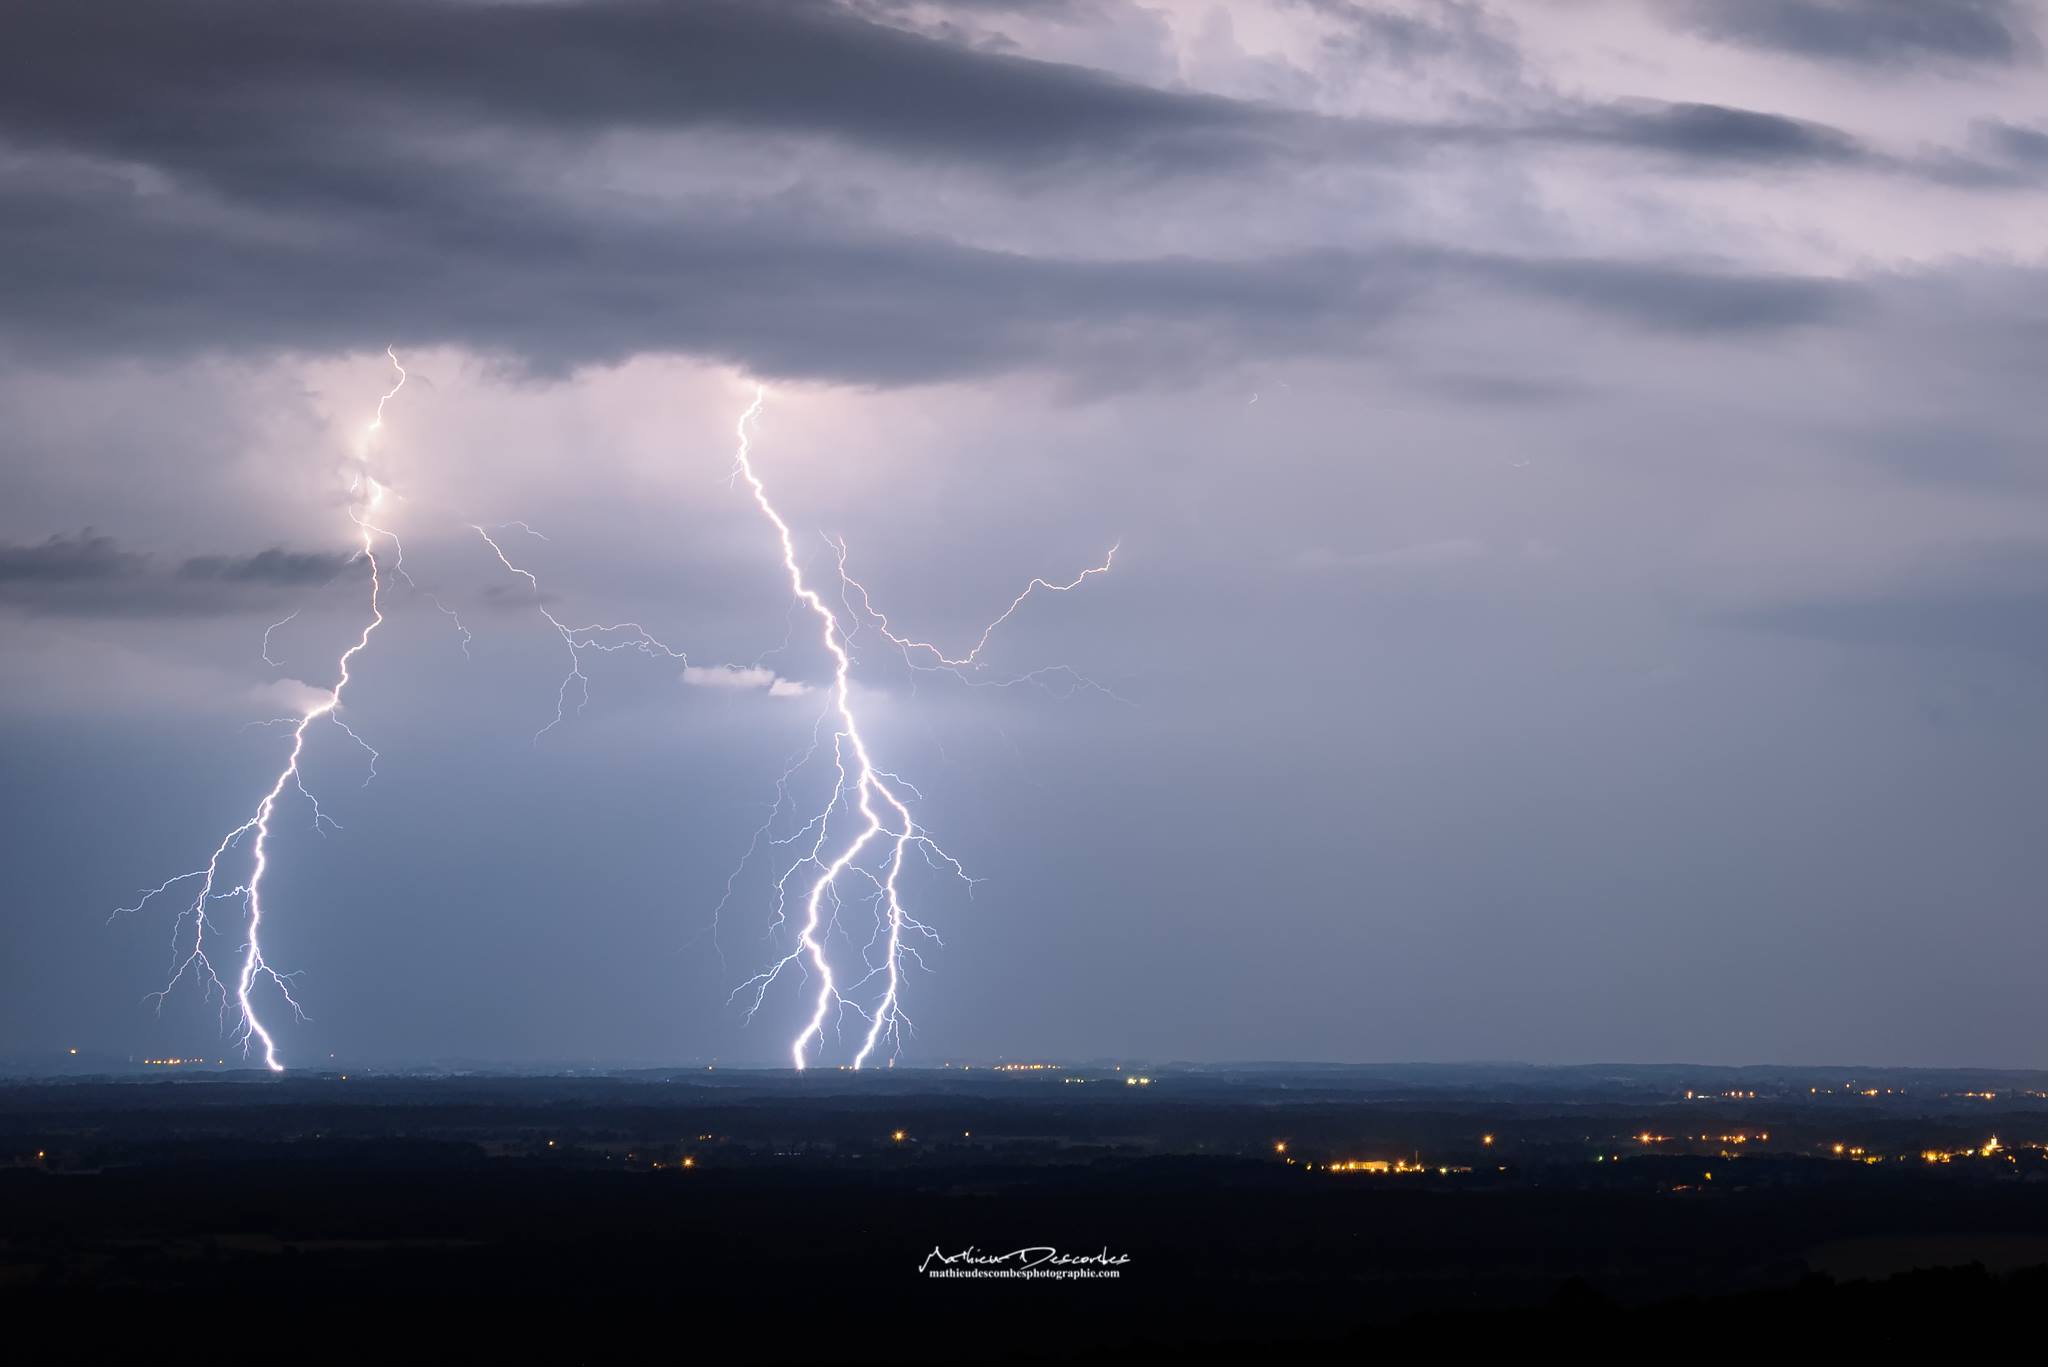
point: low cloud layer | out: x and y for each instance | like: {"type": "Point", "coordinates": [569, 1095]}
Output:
{"type": "Point", "coordinates": [1890, 33]}
{"type": "Point", "coordinates": [88, 574]}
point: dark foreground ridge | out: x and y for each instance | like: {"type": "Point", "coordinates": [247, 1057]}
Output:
{"type": "Point", "coordinates": [1327, 1211]}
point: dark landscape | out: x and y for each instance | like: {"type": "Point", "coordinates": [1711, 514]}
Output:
{"type": "Point", "coordinates": [585, 1215]}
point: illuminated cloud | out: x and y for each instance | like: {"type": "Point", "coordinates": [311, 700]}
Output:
{"type": "Point", "coordinates": [288, 696]}
{"type": "Point", "coordinates": [743, 679]}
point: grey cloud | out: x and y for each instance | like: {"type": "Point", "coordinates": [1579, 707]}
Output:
{"type": "Point", "coordinates": [271, 231]}
{"type": "Point", "coordinates": [1451, 29]}
{"type": "Point", "coordinates": [2006, 623]}
{"type": "Point", "coordinates": [99, 268]}
{"type": "Point", "coordinates": [247, 96]}
{"type": "Point", "coordinates": [273, 566]}
{"type": "Point", "coordinates": [1990, 599]}
{"type": "Point", "coordinates": [2028, 146]}
{"type": "Point", "coordinates": [1954, 451]}
{"type": "Point", "coordinates": [1869, 32]}
{"type": "Point", "coordinates": [169, 80]}
{"type": "Point", "coordinates": [1675, 298]}
{"type": "Point", "coordinates": [87, 574]}
{"type": "Point", "coordinates": [1713, 133]}
{"type": "Point", "coordinates": [65, 559]}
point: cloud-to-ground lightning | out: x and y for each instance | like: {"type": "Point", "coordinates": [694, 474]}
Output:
{"type": "Point", "coordinates": [878, 797]}
{"type": "Point", "coordinates": [366, 494]}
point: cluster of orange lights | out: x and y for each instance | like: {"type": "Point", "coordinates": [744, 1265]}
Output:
{"type": "Point", "coordinates": [1389, 1165]}
{"type": "Point", "coordinates": [1762, 1136]}
{"type": "Point", "coordinates": [1992, 1148]}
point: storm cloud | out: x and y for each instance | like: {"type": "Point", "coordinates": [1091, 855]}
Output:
{"type": "Point", "coordinates": [89, 574]}
{"type": "Point", "coordinates": [236, 176]}
{"type": "Point", "coordinates": [1872, 32]}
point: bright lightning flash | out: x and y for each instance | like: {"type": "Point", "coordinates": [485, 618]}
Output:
{"type": "Point", "coordinates": [885, 818]}
{"type": "Point", "coordinates": [249, 1031]}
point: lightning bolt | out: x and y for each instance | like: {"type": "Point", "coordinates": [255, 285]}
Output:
{"type": "Point", "coordinates": [604, 637]}
{"type": "Point", "coordinates": [884, 817]}
{"type": "Point", "coordinates": [927, 657]}
{"type": "Point", "coordinates": [249, 1031]}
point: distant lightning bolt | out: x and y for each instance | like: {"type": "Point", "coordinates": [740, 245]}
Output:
{"type": "Point", "coordinates": [606, 637]}
{"type": "Point", "coordinates": [256, 969]}
{"type": "Point", "coordinates": [875, 794]}
{"type": "Point", "coordinates": [266, 637]}
{"type": "Point", "coordinates": [923, 655]}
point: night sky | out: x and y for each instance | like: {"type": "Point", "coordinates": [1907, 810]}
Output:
{"type": "Point", "coordinates": [1583, 585]}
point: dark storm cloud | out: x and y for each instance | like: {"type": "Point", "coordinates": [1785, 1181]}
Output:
{"type": "Point", "coordinates": [1674, 298]}
{"type": "Point", "coordinates": [89, 575]}
{"type": "Point", "coordinates": [1869, 32]}
{"type": "Point", "coordinates": [1717, 133]}
{"type": "Point", "coordinates": [273, 566]}
{"type": "Point", "coordinates": [2028, 146]}
{"type": "Point", "coordinates": [303, 193]}
{"type": "Point", "coordinates": [260, 96]}
{"type": "Point", "coordinates": [95, 266]}
{"type": "Point", "coordinates": [65, 559]}
{"type": "Point", "coordinates": [177, 80]}
{"type": "Point", "coordinates": [1725, 138]}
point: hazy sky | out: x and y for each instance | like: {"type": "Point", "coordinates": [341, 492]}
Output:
{"type": "Point", "coordinates": [1584, 577]}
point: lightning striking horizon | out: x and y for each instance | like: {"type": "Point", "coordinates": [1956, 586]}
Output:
{"type": "Point", "coordinates": [880, 798]}
{"type": "Point", "coordinates": [366, 494]}
{"type": "Point", "coordinates": [859, 786]}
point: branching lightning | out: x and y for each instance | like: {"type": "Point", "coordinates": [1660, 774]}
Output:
{"type": "Point", "coordinates": [249, 1031]}
{"type": "Point", "coordinates": [973, 656]}
{"type": "Point", "coordinates": [878, 799]}
{"type": "Point", "coordinates": [854, 848]}
{"type": "Point", "coordinates": [605, 637]}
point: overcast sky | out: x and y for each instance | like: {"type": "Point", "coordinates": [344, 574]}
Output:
{"type": "Point", "coordinates": [1583, 586]}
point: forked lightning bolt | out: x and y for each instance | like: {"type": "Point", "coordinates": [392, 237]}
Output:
{"type": "Point", "coordinates": [884, 816]}
{"type": "Point", "coordinates": [606, 637]}
{"type": "Point", "coordinates": [366, 494]}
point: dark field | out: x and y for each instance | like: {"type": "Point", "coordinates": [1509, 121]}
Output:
{"type": "Point", "coordinates": [655, 1215]}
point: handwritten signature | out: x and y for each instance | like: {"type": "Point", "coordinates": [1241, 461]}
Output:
{"type": "Point", "coordinates": [1037, 1255]}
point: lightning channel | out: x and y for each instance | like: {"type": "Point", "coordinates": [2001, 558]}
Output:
{"type": "Point", "coordinates": [868, 809]}
{"type": "Point", "coordinates": [255, 970]}
{"type": "Point", "coordinates": [604, 637]}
